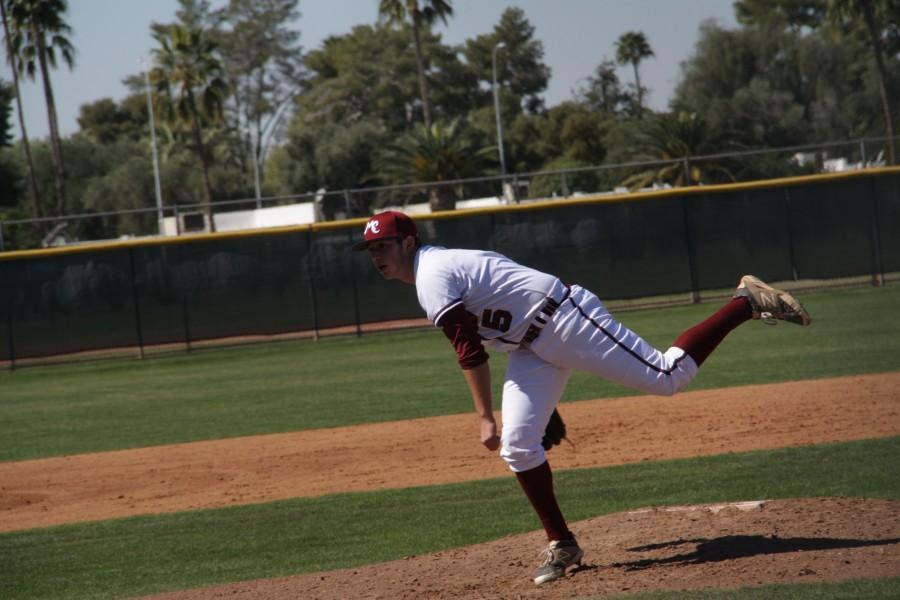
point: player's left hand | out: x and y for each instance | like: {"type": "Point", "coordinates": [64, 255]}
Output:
{"type": "Point", "coordinates": [489, 434]}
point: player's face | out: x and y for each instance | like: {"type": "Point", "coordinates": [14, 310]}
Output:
{"type": "Point", "coordinates": [392, 259]}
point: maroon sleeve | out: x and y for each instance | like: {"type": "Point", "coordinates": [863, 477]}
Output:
{"type": "Point", "coordinates": [461, 328]}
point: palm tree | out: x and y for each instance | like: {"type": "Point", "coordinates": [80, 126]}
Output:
{"type": "Point", "coordinates": [631, 48]}
{"type": "Point", "coordinates": [26, 145]}
{"type": "Point", "coordinates": [872, 11]}
{"type": "Point", "coordinates": [190, 90]}
{"type": "Point", "coordinates": [38, 32]}
{"type": "Point", "coordinates": [441, 152]}
{"type": "Point", "coordinates": [669, 137]}
{"type": "Point", "coordinates": [398, 11]}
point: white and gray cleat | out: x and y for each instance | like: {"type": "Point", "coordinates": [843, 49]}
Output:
{"type": "Point", "coordinates": [771, 304]}
{"type": "Point", "coordinates": [557, 557]}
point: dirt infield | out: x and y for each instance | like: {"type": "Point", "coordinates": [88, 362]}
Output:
{"type": "Point", "coordinates": [779, 541]}
{"type": "Point", "coordinates": [163, 479]}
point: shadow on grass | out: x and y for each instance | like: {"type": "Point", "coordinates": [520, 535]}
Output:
{"type": "Point", "coordinates": [741, 546]}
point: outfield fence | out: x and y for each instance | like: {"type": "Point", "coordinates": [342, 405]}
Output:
{"type": "Point", "coordinates": [183, 290]}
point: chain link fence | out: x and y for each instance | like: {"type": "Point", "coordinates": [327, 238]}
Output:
{"type": "Point", "coordinates": [514, 188]}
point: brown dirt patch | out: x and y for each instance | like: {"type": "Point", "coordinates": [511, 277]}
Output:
{"type": "Point", "coordinates": [780, 541]}
{"type": "Point", "coordinates": [163, 479]}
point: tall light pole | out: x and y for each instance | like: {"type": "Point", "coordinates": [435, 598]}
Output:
{"type": "Point", "coordinates": [255, 156]}
{"type": "Point", "coordinates": [499, 46]}
{"type": "Point", "coordinates": [160, 216]}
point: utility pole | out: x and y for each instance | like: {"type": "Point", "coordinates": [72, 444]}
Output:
{"type": "Point", "coordinates": [160, 217]}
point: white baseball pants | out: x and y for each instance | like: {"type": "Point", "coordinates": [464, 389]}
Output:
{"type": "Point", "coordinates": [581, 335]}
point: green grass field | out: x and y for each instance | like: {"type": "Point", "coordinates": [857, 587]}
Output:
{"type": "Point", "coordinates": [288, 386]}
{"type": "Point", "coordinates": [72, 408]}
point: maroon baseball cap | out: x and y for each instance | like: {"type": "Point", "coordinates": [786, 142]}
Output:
{"type": "Point", "coordinates": [386, 225]}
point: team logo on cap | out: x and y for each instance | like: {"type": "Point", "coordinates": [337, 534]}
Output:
{"type": "Point", "coordinates": [373, 226]}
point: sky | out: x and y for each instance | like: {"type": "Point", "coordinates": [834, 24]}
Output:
{"type": "Point", "coordinates": [111, 37]}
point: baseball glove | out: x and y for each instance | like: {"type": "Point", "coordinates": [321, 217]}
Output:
{"type": "Point", "coordinates": [555, 431]}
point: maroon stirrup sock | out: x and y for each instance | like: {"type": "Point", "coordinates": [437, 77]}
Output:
{"type": "Point", "coordinates": [700, 340]}
{"type": "Point", "coordinates": [538, 487]}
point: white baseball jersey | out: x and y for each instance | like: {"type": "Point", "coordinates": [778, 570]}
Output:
{"type": "Point", "coordinates": [504, 295]}
{"type": "Point", "coordinates": [515, 304]}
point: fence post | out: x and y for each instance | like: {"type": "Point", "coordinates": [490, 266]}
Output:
{"type": "Point", "coordinates": [492, 245]}
{"type": "Point", "coordinates": [692, 259]}
{"type": "Point", "coordinates": [875, 239]}
{"type": "Point", "coordinates": [136, 303]}
{"type": "Point", "coordinates": [565, 186]}
{"type": "Point", "coordinates": [2, 244]}
{"type": "Point", "coordinates": [790, 233]}
{"type": "Point", "coordinates": [183, 294]}
{"type": "Point", "coordinates": [10, 342]}
{"type": "Point", "coordinates": [177, 221]}
{"type": "Point", "coordinates": [687, 171]}
{"type": "Point", "coordinates": [862, 152]}
{"type": "Point", "coordinates": [347, 204]}
{"type": "Point", "coordinates": [312, 284]}
{"type": "Point", "coordinates": [355, 291]}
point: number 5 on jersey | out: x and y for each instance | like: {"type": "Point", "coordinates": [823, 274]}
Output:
{"type": "Point", "coordinates": [499, 320]}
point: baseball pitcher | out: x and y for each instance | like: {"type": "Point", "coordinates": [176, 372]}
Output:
{"type": "Point", "coordinates": [483, 299]}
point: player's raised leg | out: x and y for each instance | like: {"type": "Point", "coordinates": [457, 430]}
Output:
{"type": "Point", "coordinates": [585, 336]}
{"type": "Point", "coordinates": [753, 299]}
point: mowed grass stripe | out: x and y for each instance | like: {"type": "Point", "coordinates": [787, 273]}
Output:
{"type": "Point", "coordinates": [287, 386]}
{"type": "Point", "coordinates": [143, 555]}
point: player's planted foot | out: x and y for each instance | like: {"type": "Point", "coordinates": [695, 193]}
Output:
{"type": "Point", "coordinates": [769, 303]}
{"type": "Point", "coordinates": [559, 556]}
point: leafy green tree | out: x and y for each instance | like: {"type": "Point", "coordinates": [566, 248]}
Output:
{"type": "Point", "coordinates": [603, 90]}
{"type": "Point", "coordinates": [522, 77]}
{"type": "Point", "coordinates": [632, 48]}
{"type": "Point", "coordinates": [127, 185]}
{"type": "Point", "coordinates": [525, 148]}
{"type": "Point", "coordinates": [7, 94]}
{"type": "Point", "coordinates": [107, 122]}
{"type": "Point", "coordinates": [522, 74]}
{"type": "Point", "coordinates": [370, 73]}
{"type": "Point", "coordinates": [98, 182]}
{"type": "Point", "coordinates": [263, 82]}
{"type": "Point", "coordinates": [778, 15]}
{"type": "Point", "coordinates": [325, 154]}
{"type": "Point", "coordinates": [38, 32]}
{"type": "Point", "coordinates": [576, 133]}
{"type": "Point", "coordinates": [774, 82]}
{"type": "Point", "coordinates": [118, 136]}
{"type": "Point", "coordinates": [766, 116]}
{"type": "Point", "coordinates": [876, 14]}
{"type": "Point", "coordinates": [442, 152]}
{"type": "Point", "coordinates": [190, 90]}
{"type": "Point", "coordinates": [564, 184]}
{"type": "Point", "coordinates": [401, 11]}
{"type": "Point", "coordinates": [9, 190]}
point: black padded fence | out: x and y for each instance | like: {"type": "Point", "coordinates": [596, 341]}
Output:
{"type": "Point", "coordinates": [306, 279]}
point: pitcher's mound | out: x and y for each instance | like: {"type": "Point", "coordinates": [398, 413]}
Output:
{"type": "Point", "coordinates": [688, 547]}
